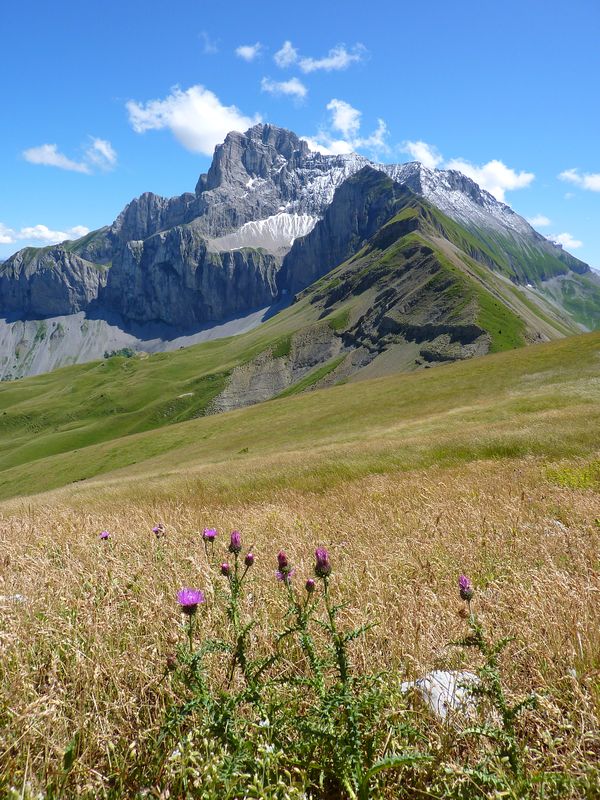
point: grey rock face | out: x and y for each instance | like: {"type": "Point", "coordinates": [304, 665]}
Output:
{"type": "Point", "coordinates": [172, 277]}
{"type": "Point", "coordinates": [49, 281]}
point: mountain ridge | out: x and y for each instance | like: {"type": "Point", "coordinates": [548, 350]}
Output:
{"type": "Point", "coordinates": [224, 251]}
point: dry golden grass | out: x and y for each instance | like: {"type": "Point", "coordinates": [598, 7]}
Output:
{"type": "Point", "coordinates": [86, 652]}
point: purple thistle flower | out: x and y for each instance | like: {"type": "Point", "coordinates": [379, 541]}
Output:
{"type": "Point", "coordinates": [104, 536]}
{"type": "Point", "coordinates": [189, 600]}
{"type": "Point", "coordinates": [209, 534]}
{"type": "Point", "coordinates": [159, 530]}
{"type": "Point", "coordinates": [225, 569]}
{"type": "Point", "coordinates": [285, 572]}
{"type": "Point", "coordinates": [323, 565]}
{"type": "Point", "coordinates": [249, 560]}
{"type": "Point", "coordinates": [310, 585]}
{"type": "Point", "coordinates": [282, 561]}
{"type": "Point", "coordinates": [235, 544]}
{"type": "Point", "coordinates": [465, 588]}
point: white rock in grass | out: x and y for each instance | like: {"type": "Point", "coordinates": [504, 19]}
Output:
{"type": "Point", "coordinates": [446, 692]}
{"type": "Point", "coordinates": [12, 598]}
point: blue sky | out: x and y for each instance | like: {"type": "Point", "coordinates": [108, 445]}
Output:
{"type": "Point", "coordinates": [104, 100]}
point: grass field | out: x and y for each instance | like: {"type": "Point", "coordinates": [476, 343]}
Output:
{"type": "Point", "coordinates": [488, 467]}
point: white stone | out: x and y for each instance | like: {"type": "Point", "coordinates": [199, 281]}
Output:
{"type": "Point", "coordinates": [446, 691]}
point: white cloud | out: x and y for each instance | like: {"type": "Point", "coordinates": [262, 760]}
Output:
{"type": "Point", "coordinates": [566, 240]}
{"type": "Point", "coordinates": [286, 56]}
{"type": "Point", "coordinates": [539, 221]}
{"type": "Point", "coordinates": [494, 176]}
{"type": "Point", "coordinates": [345, 119]}
{"type": "Point", "coordinates": [101, 153]}
{"type": "Point", "coordinates": [209, 46]}
{"type": "Point", "coordinates": [587, 180]}
{"type": "Point", "coordinates": [196, 117]}
{"type": "Point", "coordinates": [248, 51]}
{"type": "Point", "coordinates": [40, 233]}
{"type": "Point", "coordinates": [49, 156]}
{"type": "Point", "coordinates": [376, 140]}
{"type": "Point", "coordinates": [327, 146]}
{"type": "Point", "coordinates": [427, 154]}
{"type": "Point", "coordinates": [294, 88]}
{"type": "Point", "coordinates": [7, 235]}
{"type": "Point", "coordinates": [338, 58]}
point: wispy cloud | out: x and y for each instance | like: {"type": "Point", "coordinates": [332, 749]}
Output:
{"type": "Point", "coordinates": [539, 221]}
{"type": "Point", "coordinates": [427, 154]}
{"type": "Point", "coordinates": [248, 51]}
{"type": "Point", "coordinates": [293, 88]}
{"type": "Point", "coordinates": [209, 46]}
{"type": "Point", "coordinates": [337, 58]}
{"type": "Point", "coordinates": [40, 233]}
{"type": "Point", "coordinates": [196, 117]}
{"type": "Point", "coordinates": [565, 240]}
{"type": "Point", "coordinates": [99, 154]}
{"type": "Point", "coordinates": [346, 119]}
{"type": "Point", "coordinates": [587, 180]}
{"type": "Point", "coordinates": [286, 56]}
{"type": "Point", "coordinates": [49, 156]}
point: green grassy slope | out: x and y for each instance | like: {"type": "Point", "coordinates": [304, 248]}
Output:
{"type": "Point", "coordinates": [536, 400]}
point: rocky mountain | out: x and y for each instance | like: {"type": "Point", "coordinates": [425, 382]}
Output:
{"type": "Point", "coordinates": [260, 226]}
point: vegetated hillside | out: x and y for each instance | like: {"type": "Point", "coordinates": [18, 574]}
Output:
{"type": "Point", "coordinates": [540, 400]}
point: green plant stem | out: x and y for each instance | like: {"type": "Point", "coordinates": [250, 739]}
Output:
{"type": "Point", "coordinates": [191, 626]}
{"type": "Point", "coordinates": [338, 641]}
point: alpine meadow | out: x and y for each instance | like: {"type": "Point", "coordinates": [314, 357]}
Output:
{"type": "Point", "coordinates": [300, 466]}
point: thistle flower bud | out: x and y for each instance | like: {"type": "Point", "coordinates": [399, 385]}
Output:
{"type": "Point", "coordinates": [323, 565]}
{"type": "Point", "coordinates": [104, 536]}
{"type": "Point", "coordinates": [465, 588]}
{"type": "Point", "coordinates": [235, 544]}
{"type": "Point", "coordinates": [282, 560]}
{"type": "Point", "coordinates": [225, 569]}
{"type": "Point", "coordinates": [249, 560]}
{"type": "Point", "coordinates": [285, 571]}
{"type": "Point", "coordinates": [171, 663]}
{"type": "Point", "coordinates": [310, 585]}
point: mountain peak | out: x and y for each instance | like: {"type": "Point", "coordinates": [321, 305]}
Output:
{"type": "Point", "coordinates": [253, 154]}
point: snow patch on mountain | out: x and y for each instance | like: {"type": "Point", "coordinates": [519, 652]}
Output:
{"type": "Point", "coordinates": [276, 233]}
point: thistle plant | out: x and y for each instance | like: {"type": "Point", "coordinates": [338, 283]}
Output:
{"type": "Point", "coordinates": [500, 727]}
{"type": "Point", "coordinates": [189, 600]}
{"type": "Point", "coordinates": [235, 577]}
{"type": "Point", "coordinates": [301, 609]}
{"type": "Point", "coordinates": [208, 538]}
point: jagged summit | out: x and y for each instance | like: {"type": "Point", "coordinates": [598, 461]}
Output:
{"type": "Point", "coordinates": [256, 153]}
